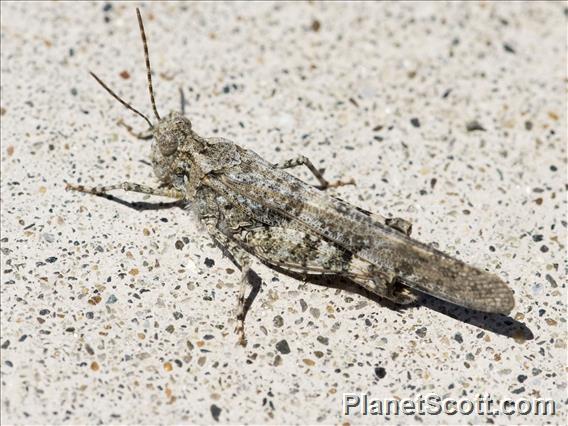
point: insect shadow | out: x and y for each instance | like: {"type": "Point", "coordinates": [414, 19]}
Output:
{"type": "Point", "coordinates": [143, 205]}
{"type": "Point", "coordinates": [495, 323]}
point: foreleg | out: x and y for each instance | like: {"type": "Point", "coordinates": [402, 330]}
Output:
{"type": "Point", "coordinates": [144, 135]}
{"type": "Point", "coordinates": [127, 186]}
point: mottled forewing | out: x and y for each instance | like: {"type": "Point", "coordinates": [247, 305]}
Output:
{"type": "Point", "coordinates": [416, 264]}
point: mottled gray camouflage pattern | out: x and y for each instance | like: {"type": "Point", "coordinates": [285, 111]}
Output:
{"type": "Point", "coordinates": [253, 207]}
{"type": "Point", "coordinates": [286, 222]}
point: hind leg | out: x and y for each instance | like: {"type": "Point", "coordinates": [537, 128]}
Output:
{"type": "Point", "coordinates": [387, 287]}
{"type": "Point", "coordinates": [295, 250]}
{"type": "Point", "coordinates": [397, 223]}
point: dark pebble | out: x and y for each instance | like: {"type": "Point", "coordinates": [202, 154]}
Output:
{"type": "Point", "coordinates": [415, 122]}
{"type": "Point", "coordinates": [421, 332]}
{"type": "Point", "coordinates": [508, 48]}
{"type": "Point", "coordinates": [521, 378]}
{"type": "Point", "coordinates": [544, 248]}
{"type": "Point", "coordinates": [179, 244]}
{"type": "Point", "coordinates": [209, 262]}
{"type": "Point", "coordinates": [458, 338]}
{"type": "Point", "coordinates": [215, 412]}
{"type": "Point", "coordinates": [44, 312]}
{"type": "Point", "coordinates": [473, 125]}
{"type": "Point", "coordinates": [178, 315]}
{"type": "Point", "coordinates": [5, 344]}
{"type": "Point", "coordinates": [518, 391]}
{"type": "Point", "coordinates": [278, 321]}
{"type": "Point", "coordinates": [316, 25]}
{"type": "Point", "coordinates": [51, 259]}
{"type": "Point", "coordinates": [323, 340]}
{"type": "Point", "coordinates": [283, 347]}
{"type": "Point", "coordinates": [551, 281]}
{"type": "Point", "coordinates": [537, 237]}
{"type": "Point", "coordinates": [380, 372]}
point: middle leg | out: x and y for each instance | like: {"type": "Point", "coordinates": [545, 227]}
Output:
{"type": "Point", "coordinates": [304, 161]}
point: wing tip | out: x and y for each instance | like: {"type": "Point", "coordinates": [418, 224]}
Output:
{"type": "Point", "coordinates": [500, 300]}
{"type": "Point", "coordinates": [506, 302]}
{"type": "Point", "coordinates": [487, 293]}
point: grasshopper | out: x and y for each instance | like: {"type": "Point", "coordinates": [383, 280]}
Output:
{"type": "Point", "coordinates": [252, 207]}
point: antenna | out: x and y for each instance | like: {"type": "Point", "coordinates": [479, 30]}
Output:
{"type": "Point", "coordinates": [147, 58]}
{"type": "Point", "coordinates": [115, 96]}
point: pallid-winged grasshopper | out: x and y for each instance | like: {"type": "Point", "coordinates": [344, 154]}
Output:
{"type": "Point", "coordinates": [252, 207]}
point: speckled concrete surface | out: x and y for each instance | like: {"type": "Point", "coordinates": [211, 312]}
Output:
{"type": "Point", "coordinates": [114, 314]}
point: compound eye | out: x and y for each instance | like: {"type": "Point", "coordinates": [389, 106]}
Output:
{"type": "Point", "coordinates": [168, 144]}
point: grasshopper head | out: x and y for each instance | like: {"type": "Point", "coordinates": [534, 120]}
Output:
{"type": "Point", "coordinates": [173, 137]}
{"type": "Point", "coordinates": [171, 148]}
{"type": "Point", "coordinates": [171, 132]}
